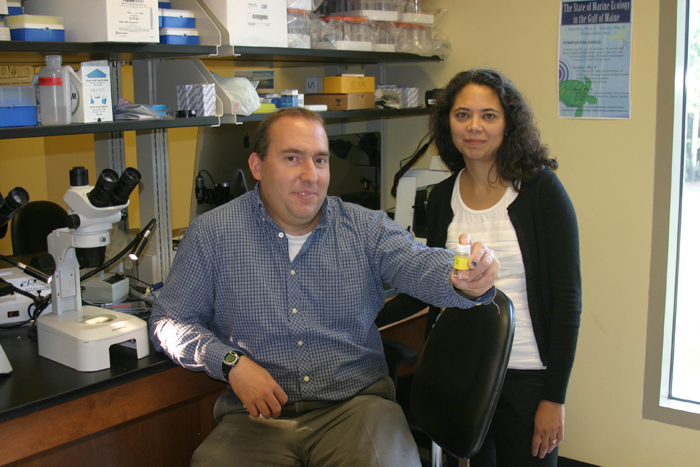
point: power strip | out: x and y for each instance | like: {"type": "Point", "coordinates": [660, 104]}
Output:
{"type": "Point", "coordinates": [13, 308]}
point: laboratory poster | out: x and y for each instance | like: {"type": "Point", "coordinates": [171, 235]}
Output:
{"type": "Point", "coordinates": [594, 59]}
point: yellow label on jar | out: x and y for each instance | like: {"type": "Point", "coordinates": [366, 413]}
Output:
{"type": "Point", "coordinates": [461, 263]}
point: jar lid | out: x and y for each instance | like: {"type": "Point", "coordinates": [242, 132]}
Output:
{"type": "Point", "coordinates": [463, 249]}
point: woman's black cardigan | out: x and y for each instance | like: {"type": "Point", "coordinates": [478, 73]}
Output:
{"type": "Point", "coordinates": [545, 225]}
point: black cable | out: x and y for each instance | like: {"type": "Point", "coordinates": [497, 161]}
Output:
{"type": "Point", "coordinates": [119, 256]}
{"type": "Point", "coordinates": [413, 159]}
{"type": "Point", "coordinates": [210, 177]}
{"type": "Point", "coordinates": [137, 279]}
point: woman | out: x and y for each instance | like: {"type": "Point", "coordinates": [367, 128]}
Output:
{"type": "Point", "coordinates": [504, 192]}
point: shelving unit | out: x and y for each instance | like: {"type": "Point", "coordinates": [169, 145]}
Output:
{"type": "Point", "coordinates": [151, 135]}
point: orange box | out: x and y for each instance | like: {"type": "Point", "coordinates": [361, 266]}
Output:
{"type": "Point", "coordinates": [347, 84]}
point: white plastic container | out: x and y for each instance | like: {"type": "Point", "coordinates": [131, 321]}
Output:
{"type": "Point", "coordinates": [54, 92]}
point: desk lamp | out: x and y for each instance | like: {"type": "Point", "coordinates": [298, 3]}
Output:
{"type": "Point", "coordinates": [72, 334]}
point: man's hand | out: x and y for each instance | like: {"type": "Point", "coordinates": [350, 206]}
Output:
{"type": "Point", "coordinates": [258, 391]}
{"type": "Point", "coordinates": [549, 428]}
{"type": "Point", "coordinates": [483, 269]}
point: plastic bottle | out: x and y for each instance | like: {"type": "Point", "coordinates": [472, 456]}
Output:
{"type": "Point", "coordinates": [54, 93]}
{"type": "Point", "coordinates": [461, 264]}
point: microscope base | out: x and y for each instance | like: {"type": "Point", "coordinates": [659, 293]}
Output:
{"type": "Point", "coordinates": [81, 339]}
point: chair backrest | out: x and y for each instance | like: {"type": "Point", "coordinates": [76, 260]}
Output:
{"type": "Point", "coordinates": [460, 374]}
{"type": "Point", "coordinates": [33, 223]}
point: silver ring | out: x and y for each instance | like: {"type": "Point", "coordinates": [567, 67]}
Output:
{"type": "Point", "coordinates": [554, 441]}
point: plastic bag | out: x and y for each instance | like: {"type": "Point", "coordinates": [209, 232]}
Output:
{"type": "Point", "coordinates": [245, 98]}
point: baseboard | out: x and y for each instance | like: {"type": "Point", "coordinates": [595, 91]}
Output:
{"type": "Point", "coordinates": [564, 462]}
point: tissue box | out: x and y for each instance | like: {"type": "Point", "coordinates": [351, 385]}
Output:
{"type": "Point", "coordinates": [91, 95]}
{"type": "Point", "coordinates": [198, 97]}
{"type": "Point", "coordinates": [103, 20]}
{"type": "Point", "coordinates": [261, 24]}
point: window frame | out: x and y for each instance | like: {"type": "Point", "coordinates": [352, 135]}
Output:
{"type": "Point", "coordinates": [670, 128]}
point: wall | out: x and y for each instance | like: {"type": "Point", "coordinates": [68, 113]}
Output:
{"type": "Point", "coordinates": [607, 167]}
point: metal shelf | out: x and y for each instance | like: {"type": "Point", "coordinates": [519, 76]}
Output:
{"type": "Point", "coordinates": [280, 56]}
{"type": "Point", "coordinates": [105, 127]}
{"type": "Point", "coordinates": [74, 52]}
{"type": "Point", "coordinates": [338, 114]}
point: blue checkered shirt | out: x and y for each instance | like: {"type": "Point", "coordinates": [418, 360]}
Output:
{"type": "Point", "coordinates": [310, 323]}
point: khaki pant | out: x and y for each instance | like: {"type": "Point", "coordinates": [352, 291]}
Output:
{"type": "Point", "coordinates": [368, 430]}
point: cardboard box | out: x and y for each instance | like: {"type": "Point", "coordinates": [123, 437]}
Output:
{"type": "Point", "coordinates": [348, 84]}
{"type": "Point", "coordinates": [102, 20]}
{"type": "Point", "coordinates": [353, 101]}
{"type": "Point", "coordinates": [262, 23]}
{"type": "Point", "coordinates": [91, 93]}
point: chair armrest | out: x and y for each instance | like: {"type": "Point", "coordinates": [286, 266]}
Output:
{"type": "Point", "coordinates": [395, 353]}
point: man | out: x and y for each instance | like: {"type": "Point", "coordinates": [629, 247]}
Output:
{"type": "Point", "coordinates": [276, 292]}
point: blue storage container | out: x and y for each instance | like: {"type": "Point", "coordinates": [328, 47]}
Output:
{"type": "Point", "coordinates": [17, 106]}
{"type": "Point", "coordinates": [14, 8]}
{"type": "Point", "coordinates": [36, 28]}
{"type": "Point", "coordinates": [176, 19]}
{"type": "Point", "coordinates": [181, 36]}
{"type": "Point", "coordinates": [165, 4]}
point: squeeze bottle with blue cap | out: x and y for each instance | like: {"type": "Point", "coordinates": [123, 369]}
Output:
{"type": "Point", "coordinates": [461, 264]}
{"type": "Point", "coordinates": [54, 92]}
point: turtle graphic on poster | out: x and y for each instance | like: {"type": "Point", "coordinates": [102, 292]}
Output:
{"type": "Point", "coordinates": [574, 93]}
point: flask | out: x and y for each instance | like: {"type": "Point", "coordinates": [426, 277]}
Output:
{"type": "Point", "coordinates": [54, 93]}
{"type": "Point", "coordinates": [461, 264]}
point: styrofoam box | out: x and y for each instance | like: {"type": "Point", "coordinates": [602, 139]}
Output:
{"type": "Point", "coordinates": [103, 20]}
{"type": "Point", "coordinates": [262, 23]}
{"type": "Point", "coordinates": [168, 18]}
{"type": "Point", "coordinates": [182, 36]}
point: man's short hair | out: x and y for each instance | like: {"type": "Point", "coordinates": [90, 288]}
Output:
{"type": "Point", "coordinates": [262, 135]}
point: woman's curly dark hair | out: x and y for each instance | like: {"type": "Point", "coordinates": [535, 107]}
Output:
{"type": "Point", "coordinates": [521, 156]}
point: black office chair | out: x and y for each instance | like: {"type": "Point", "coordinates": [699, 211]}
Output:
{"type": "Point", "coordinates": [32, 224]}
{"type": "Point", "coordinates": [459, 377]}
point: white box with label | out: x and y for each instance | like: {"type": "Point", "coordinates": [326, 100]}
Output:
{"type": "Point", "coordinates": [91, 94]}
{"type": "Point", "coordinates": [262, 23]}
{"type": "Point", "coordinates": [102, 20]}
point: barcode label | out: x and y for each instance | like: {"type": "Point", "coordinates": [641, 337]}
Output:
{"type": "Point", "coordinates": [260, 17]}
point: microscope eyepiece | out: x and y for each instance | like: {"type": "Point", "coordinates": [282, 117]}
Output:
{"type": "Point", "coordinates": [78, 176]}
{"type": "Point", "coordinates": [127, 182]}
{"type": "Point", "coordinates": [106, 183]}
{"type": "Point", "coordinates": [14, 200]}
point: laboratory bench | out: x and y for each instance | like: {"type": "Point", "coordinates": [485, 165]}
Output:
{"type": "Point", "coordinates": [138, 412]}
{"type": "Point", "coordinates": [146, 412]}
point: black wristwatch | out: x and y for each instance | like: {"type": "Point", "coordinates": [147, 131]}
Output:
{"type": "Point", "coordinates": [229, 362]}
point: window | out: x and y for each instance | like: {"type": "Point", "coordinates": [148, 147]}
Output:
{"type": "Point", "coordinates": [684, 378]}
{"type": "Point", "coordinates": [672, 379]}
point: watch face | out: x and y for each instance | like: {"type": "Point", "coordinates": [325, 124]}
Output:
{"type": "Point", "coordinates": [231, 358]}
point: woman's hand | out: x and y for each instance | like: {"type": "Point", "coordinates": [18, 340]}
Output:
{"type": "Point", "coordinates": [483, 269]}
{"type": "Point", "coordinates": [549, 428]}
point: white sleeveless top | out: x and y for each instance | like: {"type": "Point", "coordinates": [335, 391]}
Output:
{"type": "Point", "coordinates": [492, 227]}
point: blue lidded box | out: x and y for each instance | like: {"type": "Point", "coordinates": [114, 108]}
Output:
{"type": "Point", "coordinates": [14, 8]}
{"type": "Point", "coordinates": [181, 36]}
{"type": "Point", "coordinates": [164, 4]}
{"type": "Point", "coordinates": [36, 28]}
{"type": "Point", "coordinates": [17, 106]}
{"type": "Point", "coordinates": [176, 18]}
